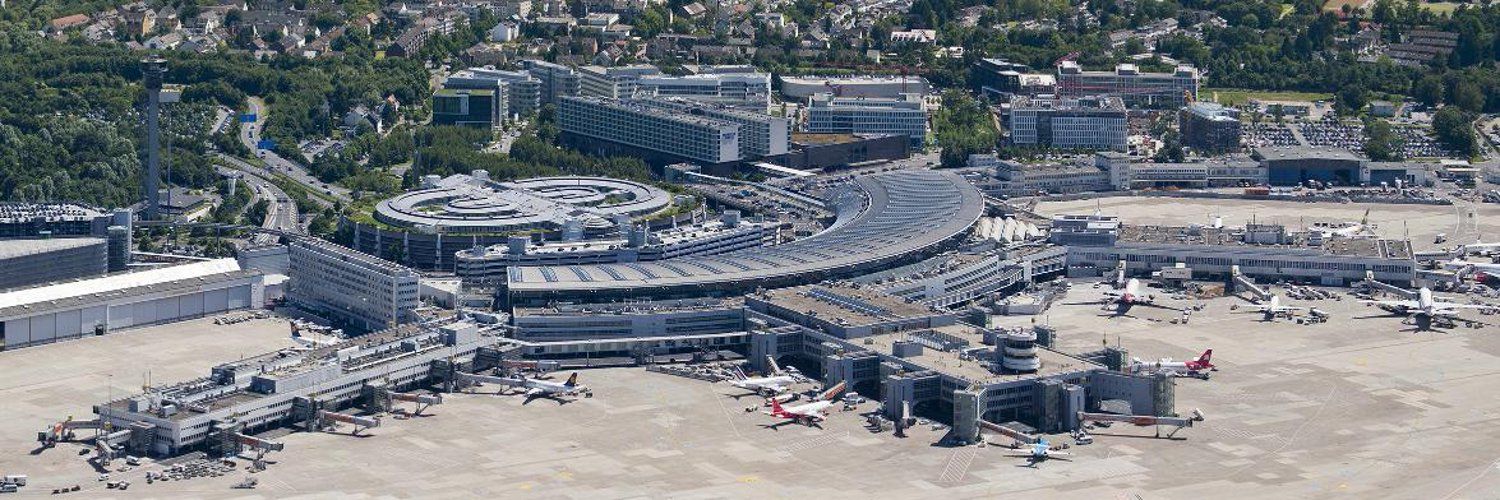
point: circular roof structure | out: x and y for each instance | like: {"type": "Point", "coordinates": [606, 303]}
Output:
{"type": "Point", "coordinates": [469, 204]}
{"type": "Point", "coordinates": [904, 213]}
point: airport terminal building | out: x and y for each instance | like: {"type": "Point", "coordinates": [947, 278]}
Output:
{"type": "Point", "coordinates": [1097, 244]}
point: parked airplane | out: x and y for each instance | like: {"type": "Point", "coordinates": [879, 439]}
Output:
{"type": "Point", "coordinates": [1192, 367]}
{"type": "Point", "coordinates": [1129, 297]}
{"type": "Point", "coordinates": [543, 389]}
{"type": "Point", "coordinates": [765, 386]}
{"type": "Point", "coordinates": [810, 413]}
{"type": "Point", "coordinates": [1425, 308]}
{"type": "Point", "coordinates": [1040, 452]}
{"type": "Point", "coordinates": [1273, 308]}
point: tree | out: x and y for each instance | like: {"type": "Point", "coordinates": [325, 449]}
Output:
{"type": "Point", "coordinates": [1453, 127]}
{"type": "Point", "coordinates": [1381, 143]}
{"type": "Point", "coordinates": [1350, 99]}
{"type": "Point", "coordinates": [1429, 90]}
{"type": "Point", "coordinates": [1467, 95]}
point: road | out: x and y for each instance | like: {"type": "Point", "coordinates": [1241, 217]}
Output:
{"type": "Point", "coordinates": [281, 211]}
{"type": "Point", "coordinates": [250, 135]}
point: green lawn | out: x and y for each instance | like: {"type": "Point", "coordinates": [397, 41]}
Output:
{"type": "Point", "coordinates": [1440, 7]}
{"type": "Point", "coordinates": [1235, 97]}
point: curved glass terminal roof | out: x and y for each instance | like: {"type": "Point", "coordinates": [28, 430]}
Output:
{"type": "Point", "coordinates": [904, 212]}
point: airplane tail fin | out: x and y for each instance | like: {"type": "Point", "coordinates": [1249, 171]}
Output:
{"type": "Point", "coordinates": [1206, 355]}
{"type": "Point", "coordinates": [776, 408]}
{"type": "Point", "coordinates": [572, 380]}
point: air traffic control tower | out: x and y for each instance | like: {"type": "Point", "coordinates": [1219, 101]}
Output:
{"type": "Point", "coordinates": [153, 67]}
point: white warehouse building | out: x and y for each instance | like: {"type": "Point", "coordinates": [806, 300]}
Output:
{"type": "Point", "coordinates": [63, 311]}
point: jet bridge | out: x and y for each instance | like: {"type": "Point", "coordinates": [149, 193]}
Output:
{"type": "Point", "coordinates": [1243, 283]}
{"type": "Point", "coordinates": [1176, 423]}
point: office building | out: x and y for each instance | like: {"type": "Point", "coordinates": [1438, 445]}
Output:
{"type": "Point", "coordinates": [97, 306]}
{"type": "Point", "coordinates": [886, 87]}
{"type": "Point", "coordinates": [618, 82]}
{"type": "Point", "coordinates": [905, 115]}
{"type": "Point", "coordinates": [1088, 123]}
{"type": "Point", "coordinates": [1210, 127]}
{"type": "Point", "coordinates": [761, 135]}
{"type": "Point", "coordinates": [557, 81]}
{"type": "Point", "coordinates": [464, 107]}
{"type": "Point", "coordinates": [1136, 89]}
{"type": "Point", "coordinates": [1001, 79]}
{"type": "Point", "coordinates": [356, 289]}
{"type": "Point", "coordinates": [660, 135]}
{"type": "Point", "coordinates": [521, 92]}
{"type": "Point", "coordinates": [751, 90]}
{"type": "Point", "coordinates": [30, 262]}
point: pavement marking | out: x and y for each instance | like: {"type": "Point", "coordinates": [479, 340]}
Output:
{"type": "Point", "coordinates": [958, 464]}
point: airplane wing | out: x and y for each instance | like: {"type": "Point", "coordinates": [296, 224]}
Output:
{"type": "Point", "coordinates": [1019, 453]}
{"type": "Point", "coordinates": [535, 391]}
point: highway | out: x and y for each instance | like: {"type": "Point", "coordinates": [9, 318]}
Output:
{"type": "Point", "coordinates": [281, 211]}
{"type": "Point", "coordinates": [250, 135]}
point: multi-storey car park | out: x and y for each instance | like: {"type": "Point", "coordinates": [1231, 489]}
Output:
{"type": "Point", "coordinates": [885, 219]}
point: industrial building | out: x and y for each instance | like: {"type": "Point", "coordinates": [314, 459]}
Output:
{"type": "Point", "coordinates": [295, 387]}
{"type": "Point", "coordinates": [1086, 123]}
{"type": "Point", "coordinates": [466, 107]}
{"type": "Point", "coordinates": [98, 306]}
{"type": "Point", "coordinates": [749, 90]}
{"type": "Point", "coordinates": [904, 115]}
{"type": "Point", "coordinates": [29, 262]}
{"type": "Point", "coordinates": [1136, 89]}
{"type": "Point", "coordinates": [356, 289]}
{"type": "Point", "coordinates": [633, 243]}
{"type": "Point", "coordinates": [1210, 127]}
{"type": "Point", "coordinates": [886, 219]}
{"type": "Point", "coordinates": [1290, 166]}
{"type": "Point", "coordinates": [1096, 244]}
{"type": "Point", "coordinates": [881, 87]}
{"type": "Point", "coordinates": [668, 137]}
{"type": "Point", "coordinates": [521, 92]}
{"type": "Point", "coordinates": [652, 318]}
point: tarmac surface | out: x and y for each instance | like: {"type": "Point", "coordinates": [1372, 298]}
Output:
{"type": "Point", "coordinates": [1350, 408]}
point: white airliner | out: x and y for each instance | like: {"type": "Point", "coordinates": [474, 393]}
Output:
{"type": "Point", "coordinates": [766, 386]}
{"type": "Point", "coordinates": [544, 389]}
{"type": "Point", "coordinates": [1425, 307]}
{"type": "Point", "coordinates": [1273, 308]}
{"type": "Point", "coordinates": [1039, 452]}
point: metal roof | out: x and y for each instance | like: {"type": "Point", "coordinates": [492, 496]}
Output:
{"type": "Point", "coordinates": [60, 291]}
{"type": "Point", "coordinates": [904, 212]}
